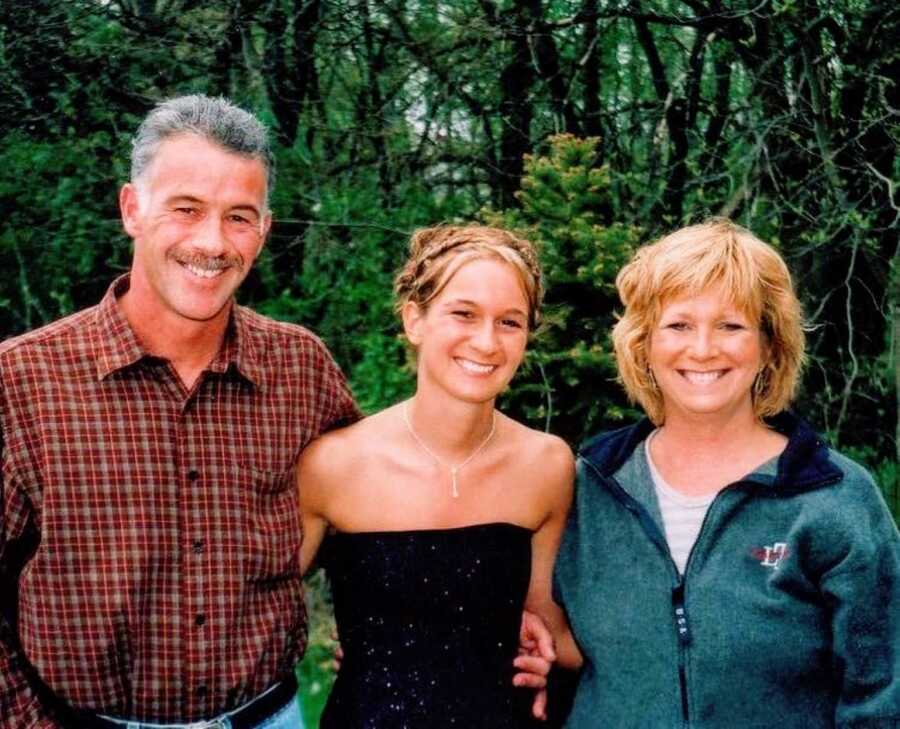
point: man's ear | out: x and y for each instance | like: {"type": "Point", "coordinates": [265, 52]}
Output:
{"type": "Point", "coordinates": [265, 227]}
{"type": "Point", "coordinates": [130, 209]}
{"type": "Point", "coordinates": [413, 320]}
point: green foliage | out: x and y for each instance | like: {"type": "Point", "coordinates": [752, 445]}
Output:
{"type": "Point", "coordinates": [389, 116]}
{"type": "Point", "coordinates": [885, 471]}
{"type": "Point", "coordinates": [338, 278]}
{"type": "Point", "coordinates": [315, 673]}
{"type": "Point", "coordinates": [567, 384]}
{"type": "Point", "coordinates": [62, 237]}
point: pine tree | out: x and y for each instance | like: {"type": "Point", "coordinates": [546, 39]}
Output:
{"type": "Point", "coordinates": [567, 385]}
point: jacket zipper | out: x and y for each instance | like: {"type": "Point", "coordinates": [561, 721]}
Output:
{"type": "Point", "coordinates": [678, 597]}
{"type": "Point", "coordinates": [679, 610]}
{"type": "Point", "coordinates": [684, 639]}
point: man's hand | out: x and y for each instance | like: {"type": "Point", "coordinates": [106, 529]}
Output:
{"type": "Point", "coordinates": [536, 656]}
{"type": "Point", "coordinates": [337, 655]}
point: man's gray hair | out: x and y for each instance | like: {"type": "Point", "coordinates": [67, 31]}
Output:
{"type": "Point", "coordinates": [214, 119]}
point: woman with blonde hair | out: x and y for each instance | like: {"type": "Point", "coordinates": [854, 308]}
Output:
{"type": "Point", "coordinates": [445, 515]}
{"type": "Point", "coordinates": [722, 566]}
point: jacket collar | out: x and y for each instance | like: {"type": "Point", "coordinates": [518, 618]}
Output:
{"type": "Point", "coordinates": [117, 346]}
{"type": "Point", "coordinates": [803, 465]}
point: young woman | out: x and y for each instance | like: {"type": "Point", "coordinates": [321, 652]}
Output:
{"type": "Point", "coordinates": [446, 514]}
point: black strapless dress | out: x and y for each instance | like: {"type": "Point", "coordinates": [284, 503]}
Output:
{"type": "Point", "coordinates": [429, 623]}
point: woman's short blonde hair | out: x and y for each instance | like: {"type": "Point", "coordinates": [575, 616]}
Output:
{"type": "Point", "coordinates": [436, 254]}
{"type": "Point", "coordinates": [684, 263]}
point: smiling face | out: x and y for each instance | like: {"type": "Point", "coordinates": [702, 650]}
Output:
{"type": "Point", "coordinates": [472, 337]}
{"type": "Point", "coordinates": [704, 353]}
{"type": "Point", "coordinates": [198, 220]}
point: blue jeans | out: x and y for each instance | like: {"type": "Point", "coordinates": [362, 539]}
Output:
{"type": "Point", "coordinates": [288, 717]}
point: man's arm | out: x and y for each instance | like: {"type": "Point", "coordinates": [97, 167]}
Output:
{"type": "Point", "coordinates": [20, 707]}
{"type": "Point", "coordinates": [335, 405]}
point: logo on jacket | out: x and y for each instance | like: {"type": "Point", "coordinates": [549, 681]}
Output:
{"type": "Point", "coordinates": [771, 556]}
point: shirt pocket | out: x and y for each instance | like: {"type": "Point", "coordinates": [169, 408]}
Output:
{"type": "Point", "coordinates": [272, 523]}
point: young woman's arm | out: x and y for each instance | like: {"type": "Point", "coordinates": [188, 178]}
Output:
{"type": "Point", "coordinates": [559, 476]}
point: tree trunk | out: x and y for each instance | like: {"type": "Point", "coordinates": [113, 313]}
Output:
{"type": "Point", "coordinates": [516, 82]}
{"type": "Point", "coordinates": [896, 354]}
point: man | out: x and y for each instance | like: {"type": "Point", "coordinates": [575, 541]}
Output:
{"type": "Point", "coordinates": [149, 512]}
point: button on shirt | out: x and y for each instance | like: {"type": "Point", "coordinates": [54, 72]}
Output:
{"type": "Point", "coordinates": [162, 581]}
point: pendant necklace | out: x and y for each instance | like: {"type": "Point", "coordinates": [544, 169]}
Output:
{"type": "Point", "coordinates": [453, 469]}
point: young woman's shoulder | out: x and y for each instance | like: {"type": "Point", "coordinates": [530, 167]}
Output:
{"type": "Point", "coordinates": [544, 445]}
{"type": "Point", "coordinates": [544, 453]}
{"type": "Point", "coordinates": [338, 454]}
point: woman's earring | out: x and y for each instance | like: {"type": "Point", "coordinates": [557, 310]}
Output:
{"type": "Point", "coordinates": [760, 383]}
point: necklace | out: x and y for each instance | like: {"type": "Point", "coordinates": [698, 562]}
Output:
{"type": "Point", "coordinates": [453, 469]}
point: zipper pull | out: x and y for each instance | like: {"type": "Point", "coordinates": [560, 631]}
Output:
{"type": "Point", "coordinates": [680, 615]}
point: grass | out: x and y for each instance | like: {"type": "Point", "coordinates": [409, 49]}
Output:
{"type": "Point", "coordinates": [315, 673]}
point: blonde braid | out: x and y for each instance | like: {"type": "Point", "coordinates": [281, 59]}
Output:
{"type": "Point", "coordinates": [421, 278]}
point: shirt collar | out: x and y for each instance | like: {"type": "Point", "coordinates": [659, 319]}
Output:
{"type": "Point", "coordinates": [239, 349]}
{"type": "Point", "coordinates": [118, 347]}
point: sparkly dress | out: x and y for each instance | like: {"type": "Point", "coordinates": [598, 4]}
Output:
{"type": "Point", "coordinates": [429, 623]}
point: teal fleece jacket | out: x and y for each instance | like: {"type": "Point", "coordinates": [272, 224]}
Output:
{"type": "Point", "coordinates": [788, 614]}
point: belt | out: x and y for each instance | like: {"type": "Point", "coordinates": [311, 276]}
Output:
{"type": "Point", "coordinates": [248, 716]}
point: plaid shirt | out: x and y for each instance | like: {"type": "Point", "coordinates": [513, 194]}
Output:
{"type": "Point", "coordinates": [166, 583]}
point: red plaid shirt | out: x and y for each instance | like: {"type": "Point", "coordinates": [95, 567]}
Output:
{"type": "Point", "coordinates": [166, 584]}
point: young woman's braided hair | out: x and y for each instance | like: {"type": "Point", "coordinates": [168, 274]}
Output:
{"type": "Point", "coordinates": [436, 254]}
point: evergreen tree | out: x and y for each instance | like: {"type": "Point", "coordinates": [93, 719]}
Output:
{"type": "Point", "coordinates": [567, 385]}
